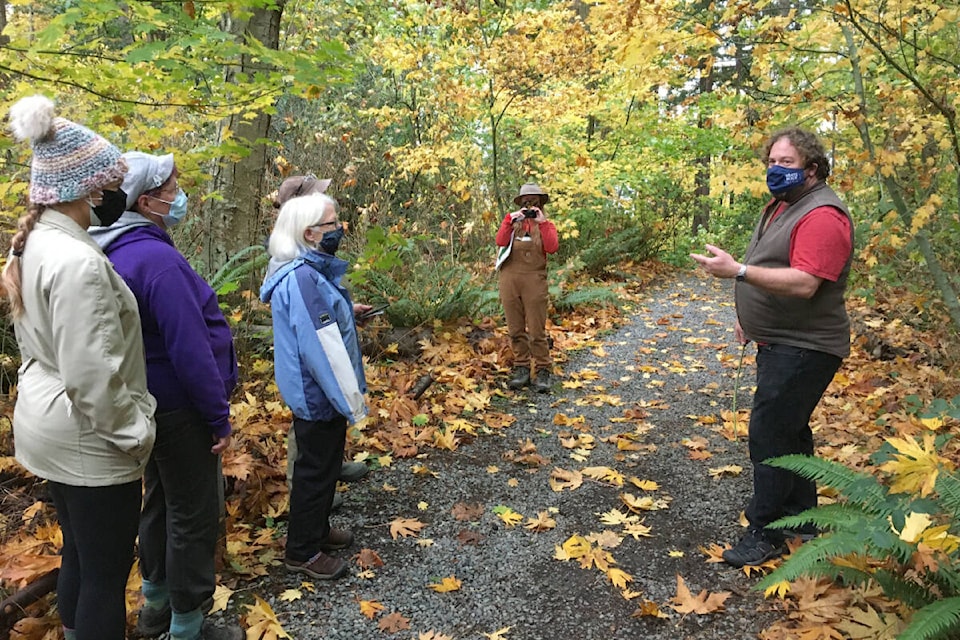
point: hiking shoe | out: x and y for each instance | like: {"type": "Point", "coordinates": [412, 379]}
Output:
{"type": "Point", "coordinates": [541, 383]}
{"type": "Point", "coordinates": [336, 539]}
{"type": "Point", "coordinates": [353, 471]}
{"type": "Point", "coordinates": [754, 548]}
{"type": "Point", "coordinates": [153, 622]}
{"type": "Point", "coordinates": [320, 566]}
{"type": "Point", "coordinates": [520, 379]}
{"type": "Point", "coordinates": [229, 631]}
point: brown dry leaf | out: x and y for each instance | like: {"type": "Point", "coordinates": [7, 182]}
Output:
{"type": "Point", "coordinates": [467, 512]}
{"type": "Point", "coordinates": [648, 609]}
{"type": "Point", "coordinates": [685, 602]}
{"type": "Point", "coordinates": [393, 622]}
{"type": "Point", "coordinates": [727, 470]}
{"type": "Point", "coordinates": [466, 537]}
{"type": "Point", "coordinates": [700, 454]}
{"type": "Point", "coordinates": [433, 635]}
{"type": "Point", "coordinates": [607, 539]}
{"type": "Point", "coordinates": [561, 479]}
{"type": "Point", "coordinates": [368, 559]}
{"type": "Point", "coordinates": [370, 608]}
{"type": "Point", "coordinates": [604, 474]}
{"type": "Point", "coordinates": [870, 624]}
{"type": "Point", "coordinates": [405, 527]}
{"type": "Point", "coordinates": [543, 522]}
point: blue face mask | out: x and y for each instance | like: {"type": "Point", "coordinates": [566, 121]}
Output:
{"type": "Point", "coordinates": [330, 241]}
{"type": "Point", "coordinates": [780, 180]}
{"type": "Point", "coordinates": [178, 209]}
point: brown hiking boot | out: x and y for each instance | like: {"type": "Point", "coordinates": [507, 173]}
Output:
{"type": "Point", "coordinates": [336, 539]}
{"type": "Point", "coordinates": [320, 566]}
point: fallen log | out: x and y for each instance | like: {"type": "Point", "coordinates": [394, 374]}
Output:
{"type": "Point", "coordinates": [13, 608]}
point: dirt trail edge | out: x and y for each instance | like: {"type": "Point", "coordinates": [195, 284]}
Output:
{"type": "Point", "coordinates": [638, 403]}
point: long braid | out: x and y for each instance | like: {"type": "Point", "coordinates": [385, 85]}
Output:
{"type": "Point", "coordinates": [11, 272]}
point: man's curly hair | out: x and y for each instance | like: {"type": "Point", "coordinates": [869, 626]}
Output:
{"type": "Point", "coordinates": [808, 146]}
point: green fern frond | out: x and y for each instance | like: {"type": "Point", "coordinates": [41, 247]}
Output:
{"type": "Point", "coordinates": [909, 592]}
{"type": "Point", "coordinates": [835, 517]}
{"type": "Point", "coordinates": [807, 560]}
{"type": "Point", "coordinates": [948, 486]}
{"type": "Point", "coordinates": [239, 265]}
{"type": "Point", "coordinates": [936, 620]}
{"type": "Point", "coordinates": [857, 486]}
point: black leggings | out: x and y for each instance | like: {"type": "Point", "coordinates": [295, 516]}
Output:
{"type": "Point", "coordinates": [99, 529]}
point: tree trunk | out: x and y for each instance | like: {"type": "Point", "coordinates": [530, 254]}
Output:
{"type": "Point", "coordinates": [234, 221]}
{"type": "Point", "coordinates": [940, 278]}
{"type": "Point", "coordinates": [701, 215]}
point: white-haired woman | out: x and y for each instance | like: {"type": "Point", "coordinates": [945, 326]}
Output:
{"type": "Point", "coordinates": [83, 419]}
{"type": "Point", "coordinates": [319, 371]}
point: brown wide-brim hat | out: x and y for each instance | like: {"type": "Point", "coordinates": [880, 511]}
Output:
{"type": "Point", "coordinates": [532, 189]}
{"type": "Point", "coordinates": [296, 186]}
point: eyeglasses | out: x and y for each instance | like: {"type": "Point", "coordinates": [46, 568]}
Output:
{"type": "Point", "coordinates": [334, 223]}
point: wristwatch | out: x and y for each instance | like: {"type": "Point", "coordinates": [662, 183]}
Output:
{"type": "Point", "coordinates": [742, 273]}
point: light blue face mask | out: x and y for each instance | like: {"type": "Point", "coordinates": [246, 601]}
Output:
{"type": "Point", "coordinates": [178, 209]}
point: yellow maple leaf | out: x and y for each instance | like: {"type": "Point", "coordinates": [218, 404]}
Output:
{"type": "Point", "coordinates": [448, 584]}
{"type": "Point", "coordinates": [561, 479]}
{"type": "Point", "coordinates": [915, 467]}
{"type": "Point", "coordinates": [510, 517]}
{"type": "Point", "coordinates": [644, 485]}
{"type": "Point", "coordinates": [702, 603]}
{"type": "Point", "coordinates": [914, 525]}
{"type": "Point", "coordinates": [616, 517]}
{"type": "Point", "coordinates": [499, 634]}
{"type": "Point", "coordinates": [262, 621]}
{"type": "Point", "coordinates": [604, 474]}
{"type": "Point", "coordinates": [779, 589]}
{"type": "Point", "coordinates": [221, 596]}
{"type": "Point", "coordinates": [574, 547]}
{"type": "Point", "coordinates": [289, 595]}
{"type": "Point", "coordinates": [619, 578]}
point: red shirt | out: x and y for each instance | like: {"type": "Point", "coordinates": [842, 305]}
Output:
{"type": "Point", "coordinates": [548, 233]}
{"type": "Point", "coordinates": [820, 243]}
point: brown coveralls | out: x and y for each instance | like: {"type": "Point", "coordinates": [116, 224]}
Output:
{"type": "Point", "coordinates": [523, 293]}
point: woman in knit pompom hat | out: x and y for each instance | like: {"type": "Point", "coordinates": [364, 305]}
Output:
{"type": "Point", "coordinates": [83, 418]}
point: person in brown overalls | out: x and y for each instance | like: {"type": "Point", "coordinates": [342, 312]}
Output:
{"type": "Point", "coordinates": [525, 238]}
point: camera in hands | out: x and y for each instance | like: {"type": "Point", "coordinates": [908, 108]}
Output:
{"type": "Point", "coordinates": [529, 213]}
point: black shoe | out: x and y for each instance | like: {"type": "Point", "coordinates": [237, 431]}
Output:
{"type": "Point", "coordinates": [520, 379]}
{"type": "Point", "coordinates": [541, 383]}
{"type": "Point", "coordinates": [337, 502]}
{"type": "Point", "coordinates": [153, 622]}
{"type": "Point", "coordinates": [353, 471]}
{"type": "Point", "coordinates": [754, 548]}
{"type": "Point", "coordinates": [229, 631]}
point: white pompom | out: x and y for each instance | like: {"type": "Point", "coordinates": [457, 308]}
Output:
{"type": "Point", "coordinates": [32, 118]}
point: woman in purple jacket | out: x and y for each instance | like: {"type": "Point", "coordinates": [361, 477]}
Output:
{"type": "Point", "coordinates": [191, 370]}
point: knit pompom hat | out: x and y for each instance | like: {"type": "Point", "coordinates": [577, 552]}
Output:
{"type": "Point", "coordinates": [69, 160]}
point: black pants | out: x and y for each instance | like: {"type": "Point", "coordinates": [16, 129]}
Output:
{"type": "Point", "coordinates": [181, 510]}
{"type": "Point", "coordinates": [319, 458]}
{"type": "Point", "coordinates": [99, 528]}
{"type": "Point", "coordinates": [790, 383]}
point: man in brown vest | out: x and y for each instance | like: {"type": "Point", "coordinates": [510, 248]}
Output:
{"type": "Point", "coordinates": [790, 301]}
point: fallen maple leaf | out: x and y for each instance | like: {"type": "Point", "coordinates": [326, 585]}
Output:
{"type": "Point", "coordinates": [616, 517]}
{"type": "Point", "coordinates": [448, 584]}
{"type": "Point", "coordinates": [619, 578]}
{"type": "Point", "coordinates": [510, 517]}
{"type": "Point", "coordinates": [433, 635]}
{"type": "Point", "coordinates": [561, 479]}
{"type": "Point", "coordinates": [368, 559]}
{"type": "Point", "coordinates": [405, 527]}
{"type": "Point", "coordinates": [714, 552]}
{"type": "Point", "coordinates": [573, 548]}
{"type": "Point", "coordinates": [728, 470]}
{"type": "Point", "coordinates": [393, 622]}
{"type": "Point", "coordinates": [370, 608]}
{"type": "Point", "coordinates": [262, 622]}
{"type": "Point", "coordinates": [648, 609]}
{"type": "Point", "coordinates": [470, 512]}
{"type": "Point", "coordinates": [685, 602]}
{"type": "Point", "coordinates": [221, 596]}
{"type": "Point", "coordinates": [499, 634]}
{"type": "Point", "coordinates": [604, 474]}
{"type": "Point", "coordinates": [644, 485]}
{"type": "Point", "coordinates": [289, 595]}
{"type": "Point", "coordinates": [543, 522]}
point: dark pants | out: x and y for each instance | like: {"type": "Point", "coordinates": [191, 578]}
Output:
{"type": "Point", "coordinates": [99, 528]}
{"type": "Point", "coordinates": [181, 510]}
{"type": "Point", "coordinates": [316, 469]}
{"type": "Point", "coordinates": [790, 383]}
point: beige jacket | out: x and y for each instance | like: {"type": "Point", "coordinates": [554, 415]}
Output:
{"type": "Point", "coordinates": [83, 415]}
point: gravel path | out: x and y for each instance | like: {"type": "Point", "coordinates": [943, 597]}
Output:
{"type": "Point", "coordinates": [675, 360]}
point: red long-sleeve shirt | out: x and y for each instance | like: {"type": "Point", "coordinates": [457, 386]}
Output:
{"type": "Point", "coordinates": [548, 233]}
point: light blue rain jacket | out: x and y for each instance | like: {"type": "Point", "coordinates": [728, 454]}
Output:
{"type": "Point", "coordinates": [316, 349]}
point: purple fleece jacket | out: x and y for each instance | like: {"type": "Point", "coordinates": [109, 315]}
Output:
{"type": "Point", "coordinates": [191, 363]}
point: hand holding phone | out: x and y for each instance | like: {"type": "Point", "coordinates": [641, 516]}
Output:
{"type": "Point", "coordinates": [375, 311]}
